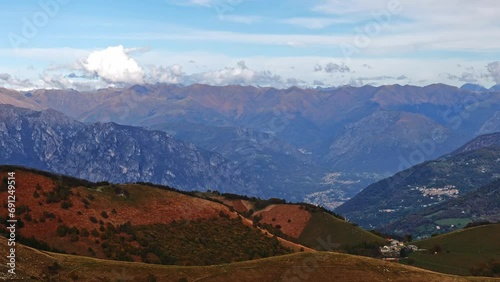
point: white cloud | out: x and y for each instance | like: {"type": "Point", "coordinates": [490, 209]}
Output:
{"type": "Point", "coordinates": [173, 74]}
{"type": "Point", "coordinates": [276, 71]}
{"type": "Point", "coordinates": [114, 64]}
{"type": "Point", "coordinates": [7, 80]}
{"type": "Point", "coordinates": [494, 71]}
{"type": "Point", "coordinates": [241, 75]}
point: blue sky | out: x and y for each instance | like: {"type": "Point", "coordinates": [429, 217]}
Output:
{"type": "Point", "coordinates": [89, 44]}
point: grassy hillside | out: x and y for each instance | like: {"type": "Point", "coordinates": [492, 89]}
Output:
{"type": "Point", "coordinates": [303, 223]}
{"type": "Point", "coordinates": [34, 265]}
{"type": "Point", "coordinates": [131, 222]}
{"type": "Point", "coordinates": [461, 250]}
{"type": "Point", "coordinates": [323, 227]}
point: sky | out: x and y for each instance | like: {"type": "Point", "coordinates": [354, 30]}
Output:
{"type": "Point", "coordinates": [94, 44]}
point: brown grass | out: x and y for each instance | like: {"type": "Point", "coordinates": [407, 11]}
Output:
{"type": "Point", "coordinates": [315, 266]}
{"type": "Point", "coordinates": [291, 219]}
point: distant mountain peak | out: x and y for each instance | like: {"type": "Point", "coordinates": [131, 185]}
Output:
{"type": "Point", "coordinates": [473, 87]}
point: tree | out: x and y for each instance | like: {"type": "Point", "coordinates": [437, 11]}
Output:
{"type": "Point", "coordinates": [403, 253]}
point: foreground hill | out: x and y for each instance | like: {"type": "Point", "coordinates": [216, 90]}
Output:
{"type": "Point", "coordinates": [305, 224]}
{"type": "Point", "coordinates": [34, 265]}
{"type": "Point", "coordinates": [468, 251]}
{"type": "Point", "coordinates": [424, 185]}
{"type": "Point", "coordinates": [482, 204]}
{"type": "Point", "coordinates": [49, 140]}
{"type": "Point", "coordinates": [131, 222]}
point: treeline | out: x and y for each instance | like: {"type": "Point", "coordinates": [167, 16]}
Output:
{"type": "Point", "coordinates": [260, 204]}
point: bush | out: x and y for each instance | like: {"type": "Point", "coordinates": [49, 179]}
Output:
{"type": "Point", "coordinates": [62, 230]}
{"type": "Point", "coordinates": [54, 268]}
{"type": "Point", "coordinates": [104, 214]}
{"type": "Point", "coordinates": [66, 205]}
{"type": "Point", "coordinates": [93, 219]}
{"type": "Point", "coordinates": [436, 249]}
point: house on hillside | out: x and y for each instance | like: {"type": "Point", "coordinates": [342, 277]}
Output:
{"type": "Point", "coordinates": [393, 249]}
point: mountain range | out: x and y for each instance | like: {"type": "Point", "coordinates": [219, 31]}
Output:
{"type": "Point", "coordinates": [319, 145]}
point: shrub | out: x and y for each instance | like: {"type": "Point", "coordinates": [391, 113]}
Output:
{"type": "Point", "coordinates": [62, 230]}
{"type": "Point", "coordinates": [104, 214]}
{"type": "Point", "coordinates": [66, 205]}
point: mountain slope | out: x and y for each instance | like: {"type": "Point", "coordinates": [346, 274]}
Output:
{"type": "Point", "coordinates": [368, 143]}
{"type": "Point", "coordinates": [109, 152]}
{"type": "Point", "coordinates": [482, 141]}
{"type": "Point", "coordinates": [421, 186]}
{"type": "Point", "coordinates": [281, 169]}
{"type": "Point", "coordinates": [482, 204]}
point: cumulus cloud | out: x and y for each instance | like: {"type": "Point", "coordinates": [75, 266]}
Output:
{"type": "Point", "coordinates": [114, 65]}
{"type": "Point", "coordinates": [494, 71]}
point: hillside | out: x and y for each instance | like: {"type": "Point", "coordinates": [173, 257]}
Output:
{"type": "Point", "coordinates": [482, 204]}
{"type": "Point", "coordinates": [303, 223]}
{"type": "Point", "coordinates": [421, 186]}
{"type": "Point", "coordinates": [34, 265]}
{"type": "Point", "coordinates": [461, 251]}
{"type": "Point", "coordinates": [130, 222]}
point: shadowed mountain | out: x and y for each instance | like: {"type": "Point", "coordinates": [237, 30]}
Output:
{"type": "Point", "coordinates": [109, 152]}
